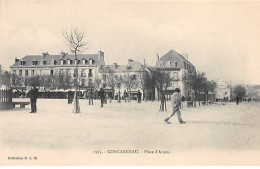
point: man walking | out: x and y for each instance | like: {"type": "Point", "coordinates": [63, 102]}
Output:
{"type": "Point", "coordinates": [176, 103]}
{"type": "Point", "coordinates": [102, 96]}
{"type": "Point", "coordinates": [139, 95]}
{"type": "Point", "coordinates": [125, 95]}
{"type": "Point", "coordinates": [237, 99]}
{"type": "Point", "coordinates": [33, 94]}
{"type": "Point", "coordinates": [70, 97]}
{"type": "Point", "coordinates": [90, 97]}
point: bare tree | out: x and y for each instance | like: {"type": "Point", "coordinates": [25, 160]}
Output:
{"type": "Point", "coordinates": [76, 42]}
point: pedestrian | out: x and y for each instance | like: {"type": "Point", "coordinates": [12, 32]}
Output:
{"type": "Point", "coordinates": [163, 103]}
{"type": "Point", "coordinates": [70, 97]}
{"type": "Point", "coordinates": [33, 95]}
{"type": "Point", "coordinates": [237, 99]}
{"type": "Point", "coordinates": [110, 95]}
{"type": "Point", "coordinates": [125, 95]}
{"type": "Point", "coordinates": [90, 97]}
{"type": "Point", "coordinates": [139, 96]}
{"type": "Point", "coordinates": [119, 98]}
{"type": "Point", "coordinates": [182, 100]}
{"type": "Point", "coordinates": [102, 95]}
{"type": "Point", "coordinates": [176, 103]}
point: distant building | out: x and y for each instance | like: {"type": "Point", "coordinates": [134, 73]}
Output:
{"type": "Point", "coordinates": [120, 76]}
{"type": "Point", "coordinates": [55, 65]}
{"type": "Point", "coordinates": [223, 90]}
{"type": "Point", "coordinates": [178, 66]}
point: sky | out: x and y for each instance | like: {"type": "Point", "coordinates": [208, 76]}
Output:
{"type": "Point", "coordinates": [221, 38]}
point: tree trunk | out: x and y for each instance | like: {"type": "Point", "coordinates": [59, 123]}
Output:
{"type": "Point", "coordinates": [76, 108]}
{"type": "Point", "coordinates": [199, 98]}
{"type": "Point", "coordinates": [195, 99]}
{"type": "Point", "coordinates": [207, 93]}
{"type": "Point", "coordinates": [129, 94]}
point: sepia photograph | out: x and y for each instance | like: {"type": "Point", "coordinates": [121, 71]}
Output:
{"type": "Point", "coordinates": [129, 83]}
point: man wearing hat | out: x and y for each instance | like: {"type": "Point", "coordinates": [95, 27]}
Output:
{"type": "Point", "coordinates": [33, 95]}
{"type": "Point", "coordinates": [176, 103]}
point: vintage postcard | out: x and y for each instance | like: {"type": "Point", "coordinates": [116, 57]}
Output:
{"type": "Point", "coordinates": [127, 83]}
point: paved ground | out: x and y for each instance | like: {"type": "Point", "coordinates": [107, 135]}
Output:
{"type": "Point", "coordinates": [131, 126]}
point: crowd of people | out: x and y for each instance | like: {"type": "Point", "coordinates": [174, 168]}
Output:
{"type": "Point", "coordinates": [176, 100]}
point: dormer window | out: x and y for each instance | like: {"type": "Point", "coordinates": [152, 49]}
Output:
{"type": "Point", "coordinates": [34, 62]}
{"type": "Point", "coordinates": [176, 64]}
{"type": "Point", "coordinates": [91, 61]}
{"type": "Point", "coordinates": [84, 61]}
{"type": "Point", "coordinates": [161, 64]}
{"type": "Point", "coordinates": [69, 62]}
{"type": "Point", "coordinates": [53, 62]}
{"type": "Point", "coordinates": [22, 62]}
{"type": "Point", "coordinates": [43, 62]}
{"type": "Point", "coordinates": [62, 62]}
{"type": "Point", "coordinates": [168, 64]}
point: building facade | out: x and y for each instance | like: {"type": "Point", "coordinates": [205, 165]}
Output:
{"type": "Point", "coordinates": [223, 90]}
{"type": "Point", "coordinates": [177, 66]}
{"type": "Point", "coordinates": [63, 65]}
{"type": "Point", "coordinates": [118, 78]}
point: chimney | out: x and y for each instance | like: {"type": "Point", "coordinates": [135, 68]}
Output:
{"type": "Point", "coordinates": [62, 54]}
{"type": "Point", "coordinates": [45, 54]}
{"type": "Point", "coordinates": [16, 60]}
{"type": "Point", "coordinates": [101, 56]}
{"type": "Point", "coordinates": [115, 65]}
{"type": "Point", "coordinates": [158, 56]}
{"type": "Point", "coordinates": [130, 60]}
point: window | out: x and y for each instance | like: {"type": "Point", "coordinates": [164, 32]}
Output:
{"type": "Point", "coordinates": [168, 64]}
{"type": "Point", "coordinates": [83, 73]}
{"type": "Point", "coordinates": [61, 71]}
{"type": "Point", "coordinates": [134, 77]}
{"type": "Point", "coordinates": [44, 62]}
{"type": "Point", "coordinates": [176, 64]}
{"type": "Point", "coordinates": [67, 72]}
{"type": "Point", "coordinates": [91, 61]}
{"type": "Point", "coordinates": [84, 61]}
{"type": "Point", "coordinates": [63, 62]}
{"type": "Point", "coordinates": [51, 72]}
{"type": "Point", "coordinates": [161, 64]}
{"type": "Point", "coordinates": [14, 72]}
{"type": "Point", "coordinates": [20, 72]}
{"type": "Point", "coordinates": [53, 62]}
{"type": "Point", "coordinates": [34, 62]}
{"type": "Point", "coordinates": [26, 72]}
{"type": "Point", "coordinates": [172, 75]}
{"type": "Point", "coordinates": [90, 73]}
{"type": "Point", "coordinates": [175, 75]}
{"type": "Point", "coordinates": [22, 62]}
{"type": "Point", "coordinates": [78, 61]}
{"type": "Point", "coordinates": [32, 72]}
